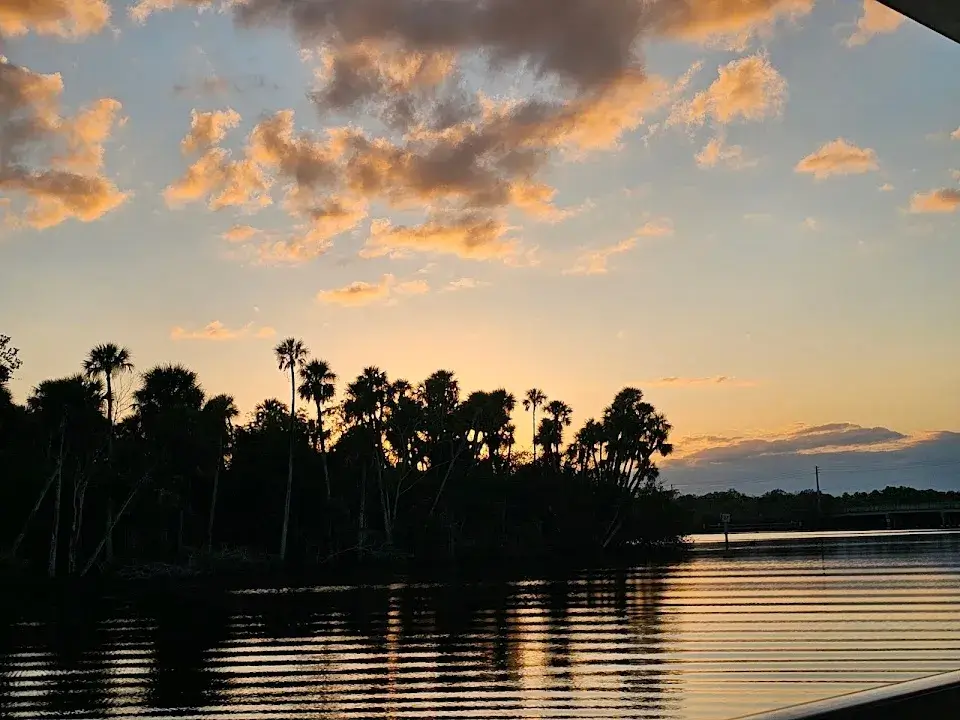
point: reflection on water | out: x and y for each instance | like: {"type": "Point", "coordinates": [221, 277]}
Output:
{"type": "Point", "coordinates": [714, 637]}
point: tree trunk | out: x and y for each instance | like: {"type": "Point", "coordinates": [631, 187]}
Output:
{"type": "Point", "coordinates": [55, 533]}
{"type": "Point", "coordinates": [213, 497]}
{"type": "Point", "coordinates": [385, 506]}
{"type": "Point", "coordinates": [109, 467]}
{"type": "Point", "coordinates": [33, 512]}
{"type": "Point", "coordinates": [286, 504]}
{"type": "Point", "coordinates": [79, 492]}
{"type": "Point", "coordinates": [109, 531]}
{"type": "Point", "coordinates": [107, 534]}
{"type": "Point", "coordinates": [323, 450]}
{"type": "Point", "coordinates": [534, 433]}
{"type": "Point", "coordinates": [362, 525]}
{"type": "Point", "coordinates": [109, 415]}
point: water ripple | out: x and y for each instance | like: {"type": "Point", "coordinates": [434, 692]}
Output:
{"type": "Point", "coordinates": [709, 639]}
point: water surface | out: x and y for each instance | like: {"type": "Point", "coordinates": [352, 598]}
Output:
{"type": "Point", "coordinates": [712, 638]}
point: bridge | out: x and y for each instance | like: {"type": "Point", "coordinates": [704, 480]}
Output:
{"type": "Point", "coordinates": [942, 16]}
{"type": "Point", "coordinates": [906, 509]}
{"type": "Point", "coordinates": [949, 512]}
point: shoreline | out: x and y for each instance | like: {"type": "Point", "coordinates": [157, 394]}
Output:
{"type": "Point", "coordinates": [383, 570]}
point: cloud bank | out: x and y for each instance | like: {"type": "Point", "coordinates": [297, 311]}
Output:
{"type": "Point", "coordinates": [465, 158]}
{"type": "Point", "coordinates": [851, 457]}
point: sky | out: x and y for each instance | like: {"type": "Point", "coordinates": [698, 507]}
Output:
{"type": "Point", "coordinates": [747, 208]}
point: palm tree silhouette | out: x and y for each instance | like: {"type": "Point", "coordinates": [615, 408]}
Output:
{"type": "Point", "coordinates": [559, 418]}
{"type": "Point", "coordinates": [317, 386]}
{"type": "Point", "coordinates": [168, 406]}
{"type": "Point", "coordinates": [535, 398]}
{"type": "Point", "coordinates": [108, 361]}
{"type": "Point", "coordinates": [291, 354]}
{"type": "Point", "coordinates": [218, 413]}
{"type": "Point", "coordinates": [67, 408]}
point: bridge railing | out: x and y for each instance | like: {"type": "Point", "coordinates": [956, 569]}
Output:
{"type": "Point", "coordinates": [932, 698]}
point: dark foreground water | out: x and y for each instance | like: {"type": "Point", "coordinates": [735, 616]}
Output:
{"type": "Point", "coordinates": [714, 637]}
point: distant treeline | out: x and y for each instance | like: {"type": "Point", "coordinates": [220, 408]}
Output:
{"type": "Point", "coordinates": [780, 507]}
{"type": "Point", "coordinates": [110, 468]}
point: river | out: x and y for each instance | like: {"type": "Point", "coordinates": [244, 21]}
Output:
{"type": "Point", "coordinates": [778, 620]}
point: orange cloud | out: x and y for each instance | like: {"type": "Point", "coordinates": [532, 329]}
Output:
{"type": "Point", "coordinates": [355, 73]}
{"type": "Point", "coordinates": [468, 236]}
{"type": "Point", "coordinates": [217, 331]}
{"type": "Point", "coordinates": [955, 134]}
{"type": "Point", "coordinates": [877, 19]}
{"type": "Point", "coordinates": [704, 20]}
{"type": "Point", "coordinates": [839, 157]}
{"type": "Point", "coordinates": [226, 182]}
{"type": "Point", "coordinates": [64, 179]}
{"type": "Point", "coordinates": [886, 187]}
{"type": "Point", "coordinates": [656, 228]}
{"type": "Point", "coordinates": [208, 129]}
{"type": "Point", "coordinates": [240, 233]}
{"type": "Point", "coordinates": [715, 381]}
{"type": "Point", "coordinates": [457, 153]}
{"type": "Point", "coordinates": [58, 196]}
{"type": "Point", "coordinates": [944, 200]}
{"type": "Point", "coordinates": [63, 18]}
{"type": "Point", "coordinates": [358, 293]}
{"type": "Point", "coordinates": [747, 89]}
{"type": "Point", "coordinates": [717, 152]}
{"type": "Point", "coordinates": [144, 8]}
{"type": "Point", "coordinates": [363, 293]}
{"type": "Point", "coordinates": [85, 135]}
{"type": "Point", "coordinates": [594, 262]}
{"type": "Point", "coordinates": [466, 283]}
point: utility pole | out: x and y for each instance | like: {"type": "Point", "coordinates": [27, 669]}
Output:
{"type": "Point", "coordinates": [816, 470]}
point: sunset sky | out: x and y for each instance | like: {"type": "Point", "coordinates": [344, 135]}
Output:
{"type": "Point", "coordinates": [748, 208]}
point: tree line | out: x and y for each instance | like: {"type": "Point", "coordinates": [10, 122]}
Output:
{"type": "Point", "coordinates": [115, 468]}
{"type": "Point", "coordinates": [804, 508]}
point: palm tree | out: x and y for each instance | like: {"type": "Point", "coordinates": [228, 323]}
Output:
{"type": "Point", "coordinates": [108, 361]}
{"type": "Point", "coordinates": [218, 412]}
{"type": "Point", "coordinates": [559, 415]}
{"type": "Point", "coordinates": [168, 409]}
{"type": "Point", "coordinates": [317, 386]}
{"type": "Point", "coordinates": [291, 354]}
{"type": "Point", "coordinates": [535, 398]}
{"type": "Point", "coordinates": [69, 408]}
